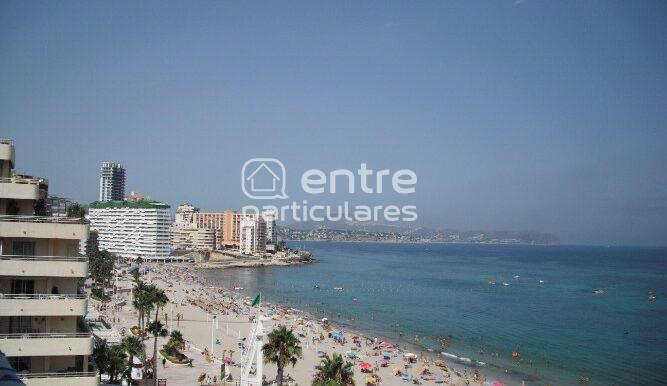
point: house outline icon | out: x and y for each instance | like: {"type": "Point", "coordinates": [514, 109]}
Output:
{"type": "Point", "coordinates": [274, 177]}
{"type": "Point", "coordinates": [256, 185]}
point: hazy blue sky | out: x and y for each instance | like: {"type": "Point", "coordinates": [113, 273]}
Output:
{"type": "Point", "coordinates": [515, 115]}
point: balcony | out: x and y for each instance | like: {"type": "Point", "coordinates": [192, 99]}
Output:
{"type": "Point", "coordinates": [39, 227]}
{"type": "Point", "coordinates": [46, 344]}
{"type": "Point", "coordinates": [79, 378]}
{"type": "Point", "coordinates": [23, 188]}
{"type": "Point", "coordinates": [53, 266]}
{"type": "Point", "coordinates": [43, 305]}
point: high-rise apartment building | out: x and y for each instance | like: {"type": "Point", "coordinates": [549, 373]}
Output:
{"type": "Point", "coordinates": [253, 235]}
{"type": "Point", "coordinates": [271, 229]}
{"type": "Point", "coordinates": [212, 221]}
{"type": "Point", "coordinates": [58, 206]}
{"type": "Point", "coordinates": [42, 328]}
{"type": "Point", "coordinates": [231, 230]}
{"type": "Point", "coordinates": [184, 216]}
{"type": "Point", "coordinates": [132, 228]}
{"type": "Point", "coordinates": [112, 181]}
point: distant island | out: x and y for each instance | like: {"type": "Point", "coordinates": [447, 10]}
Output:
{"type": "Point", "coordinates": [364, 232]}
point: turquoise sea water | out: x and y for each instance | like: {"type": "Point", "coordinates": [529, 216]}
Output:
{"type": "Point", "coordinates": [435, 290]}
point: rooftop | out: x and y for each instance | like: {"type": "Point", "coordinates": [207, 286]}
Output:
{"type": "Point", "coordinates": [141, 204]}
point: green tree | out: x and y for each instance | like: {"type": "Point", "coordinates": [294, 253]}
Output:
{"type": "Point", "coordinates": [76, 211]}
{"type": "Point", "coordinates": [334, 369]}
{"type": "Point", "coordinates": [133, 347]}
{"type": "Point", "coordinates": [101, 263]}
{"type": "Point", "coordinates": [282, 349]}
{"type": "Point", "coordinates": [176, 340]}
{"type": "Point", "coordinates": [156, 328]}
{"type": "Point", "coordinates": [143, 303]}
{"type": "Point", "coordinates": [116, 363]}
{"type": "Point", "coordinates": [101, 355]}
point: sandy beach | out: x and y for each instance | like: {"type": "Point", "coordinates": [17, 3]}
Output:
{"type": "Point", "coordinates": [215, 323]}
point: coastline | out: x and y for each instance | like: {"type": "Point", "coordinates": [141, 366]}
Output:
{"type": "Point", "coordinates": [251, 262]}
{"type": "Point", "coordinates": [214, 320]}
{"type": "Point", "coordinates": [458, 372]}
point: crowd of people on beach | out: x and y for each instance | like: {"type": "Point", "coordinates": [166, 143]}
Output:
{"type": "Point", "coordinates": [377, 359]}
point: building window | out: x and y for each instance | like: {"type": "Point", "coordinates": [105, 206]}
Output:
{"type": "Point", "coordinates": [21, 286]}
{"type": "Point", "coordinates": [20, 325]}
{"type": "Point", "coordinates": [20, 363]}
{"type": "Point", "coordinates": [23, 248]}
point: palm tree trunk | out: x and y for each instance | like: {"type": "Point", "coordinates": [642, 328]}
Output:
{"type": "Point", "coordinates": [157, 310]}
{"type": "Point", "coordinates": [131, 359]}
{"type": "Point", "coordinates": [279, 376]}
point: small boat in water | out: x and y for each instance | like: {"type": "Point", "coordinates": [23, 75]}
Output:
{"type": "Point", "coordinates": [651, 296]}
{"type": "Point", "coordinates": [338, 288]}
{"type": "Point", "coordinates": [516, 276]}
{"type": "Point", "coordinates": [506, 284]}
{"type": "Point", "coordinates": [492, 282]}
{"type": "Point", "coordinates": [599, 292]}
{"type": "Point", "coordinates": [316, 286]}
{"type": "Point", "coordinates": [541, 281]}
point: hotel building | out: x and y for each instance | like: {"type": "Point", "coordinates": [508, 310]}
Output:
{"type": "Point", "coordinates": [42, 331]}
{"type": "Point", "coordinates": [132, 228]}
{"type": "Point", "coordinates": [112, 181]}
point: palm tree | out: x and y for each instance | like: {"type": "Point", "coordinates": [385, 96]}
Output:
{"type": "Point", "coordinates": [133, 346]}
{"type": "Point", "coordinates": [282, 349]}
{"type": "Point", "coordinates": [176, 340]}
{"type": "Point", "coordinates": [156, 328]}
{"type": "Point", "coordinates": [334, 369]}
{"type": "Point", "coordinates": [101, 355]}
{"type": "Point", "coordinates": [142, 303]}
{"type": "Point", "coordinates": [116, 362]}
{"type": "Point", "coordinates": [159, 300]}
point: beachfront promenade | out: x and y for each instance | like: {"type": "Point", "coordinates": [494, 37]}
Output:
{"type": "Point", "coordinates": [196, 301]}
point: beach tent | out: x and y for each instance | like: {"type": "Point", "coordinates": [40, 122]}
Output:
{"type": "Point", "coordinates": [386, 355]}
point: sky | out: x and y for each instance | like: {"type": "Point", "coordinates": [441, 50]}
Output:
{"type": "Point", "coordinates": [514, 115]}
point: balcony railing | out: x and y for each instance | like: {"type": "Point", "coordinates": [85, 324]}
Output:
{"type": "Point", "coordinates": [44, 258]}
{"type": "Point", "coordinates": [43, 296]}
{"type": "Point", "coordinates": [43, 219]}
{"type": "Point", "coordinates": [22, 180]}
{"type": "Point", "coordinates": [6, 141]}
{"type": "Point", "coordinates": [69, 374]}
{"type": "Point", "coordinates": [46, 335]}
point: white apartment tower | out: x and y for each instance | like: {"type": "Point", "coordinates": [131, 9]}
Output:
{"type": "Point", "coordinates": [42, 309]}
{"type": "Point", "coordinates": [112, 181]}
{"type": "Point", "coordinates": [184, 214]}
{"type": "Point", "coordinates": [271, 229]}
{"type": "Point", "coordinates": [252, 235]}
{"type": "Point", "coordinates": [132, 228]}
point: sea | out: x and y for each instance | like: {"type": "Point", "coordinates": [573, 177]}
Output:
{"type": "Point", "coordinates": [543, 307]}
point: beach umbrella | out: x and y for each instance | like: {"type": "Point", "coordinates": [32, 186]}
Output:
{"type": "Point", "coordinates": [497, 383]}
{"type": "Point", "coordinates": [365, 365]}
{"type": "Point", "coordinates": [383, 362]}
{"type": "Point", "coordinates": [409, 355]}
{"type": "Point", "coordinates": [386, 354]}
